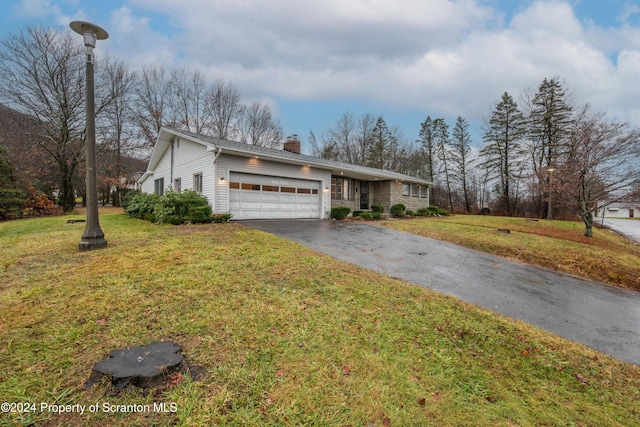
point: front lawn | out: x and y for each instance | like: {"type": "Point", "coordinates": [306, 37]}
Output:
{"type": "Point", "coordinates": [288, 337]}
{"type": "Point", "coordinates": [559, 245]}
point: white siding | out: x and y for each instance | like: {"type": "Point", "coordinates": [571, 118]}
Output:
{"type": "Point", "coordinates": [190, 158]}
{"type": "Point", "coordinates": [230, 163]}
{"type": "Point", "coordinates": [222, 196]}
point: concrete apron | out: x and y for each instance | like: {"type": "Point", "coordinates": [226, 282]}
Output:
{"type": "Point", "coordinates": [603, 317]}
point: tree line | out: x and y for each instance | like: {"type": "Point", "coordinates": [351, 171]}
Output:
{"type": "Point", "coordinates": [42, 81]}
{"type": "Point", "coordinates": [541, 156]}
{"type": "Point", "coordinates": [544, 156]}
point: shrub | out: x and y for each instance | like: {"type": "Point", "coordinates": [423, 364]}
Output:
{"type": "Point", "coordinates": [142, 206]}
{"type": "Point", "coordinates": [170, 208]}
{"type": "Point", "coordinates": [377, 208]}
{"type": "Point", "coordinates": [422, 212]}
{"type": "Point", "coordinates": [223, 217]}
{"type": "Point", "coordinates": [398, 210]}
{"type": "Point", "coordinates": [340, 212]}
{"type": "Point", "coordinates": [129, 195]}
{"type": "Point", "coordinates": [178, 208]}
{"type": "Point", "coordinates": [357, 213]}
{"type": "Point", "coordinates": [371, 215]}
{"type": "Point", "coordinates": [38, 204]}
{"type": "Point", "coordinates": [410, 213]}
{"type": "Point", "coordinates": [434, 210]}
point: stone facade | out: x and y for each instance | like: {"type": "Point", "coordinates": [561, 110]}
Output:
{"type": "Point", "coordinates": [386, 194]}
{"type": "Point", "coordinates": [389, 193]}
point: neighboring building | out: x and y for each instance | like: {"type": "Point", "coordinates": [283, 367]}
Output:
{"type": "Point", "coordinates": [257, 182]}
{"type": "Point", "coordinates": [619, 210]}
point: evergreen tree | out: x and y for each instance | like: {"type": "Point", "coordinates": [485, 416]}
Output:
{"type": "Point", "coordinates": [427, 142]}
{"type": "Point", "coordinates": [442, 142]}
{"type": "Point", "coordinates": [12, 200]}
{"type": "Point", "coordinates": [550, 120]}
{"type": "Point", "coordinates": [461, 157]}
{"type": "Point", "coordinates": [383, 146]}
{"type": "Point", "coordinates": [502, 150]}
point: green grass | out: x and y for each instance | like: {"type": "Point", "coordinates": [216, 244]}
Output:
{"type": "Point", "coordinates": [288, 337]}
{"type": "Point", "coordinates": [558, 245]}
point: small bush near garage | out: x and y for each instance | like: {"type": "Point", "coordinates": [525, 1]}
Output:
{"type": "Point", "coordinates": [377, 208]}
{"type": "Point", "coordinates": [171, 208]}
{"type": "Point", "coordinates": [340, 212]}
{"type": "Point", "coordinates": [398, 210]}
{"type": "Point", "coordinates": [223, 217]}
{"type": "Point", "coordinates": [179, 208]}
{"type": "Point", "coordinates": [357, 213]}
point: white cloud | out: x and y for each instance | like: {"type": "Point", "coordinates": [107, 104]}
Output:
{"type": "Point", "coordinates": [35, 8]}
{"type": "Point", "coordinates": [135, 42]}
{"type": "Point", "coordinates": [447, 56]}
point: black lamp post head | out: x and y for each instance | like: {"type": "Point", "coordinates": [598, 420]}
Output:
{"type": "Point", "coordinates": [90, 32]}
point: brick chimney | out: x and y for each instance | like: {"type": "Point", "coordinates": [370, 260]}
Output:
{"type": "Point", "coordinates": [292, 145]}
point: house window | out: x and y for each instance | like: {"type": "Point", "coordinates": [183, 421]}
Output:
{"type": "Point", "coordinates": [158, 186]}
{"type": "Point", "coordinates": [177, 185]}
{"type": "Point", "coordinates": [341, 189]}
{"type": "Point", "coordinates": [414, 190]}
{"type": "Point", "coordinates": [197, 183]}
{"type": "Point", "coordinates": [336, 188]}
{"type": "Point", "coordinates": [405, 189]}
{"type": "Point", "coordinates": [424, 191]}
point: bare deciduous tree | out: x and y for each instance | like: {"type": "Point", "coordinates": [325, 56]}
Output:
{"type": "Point", "coordinates": [258, 126]}
{"type": "Point", "coordinates": [188, 101]}
{"type": "Point", "coordinates": [152, 105]}
{"type": "Point", "coordinates": [599, 162]}
{"type": "Point", "coordinates": [42, 75]}
{"type": "Point", "coordinates": [117, 134]}
{"type": "Point", "coordinates": [224, 109]}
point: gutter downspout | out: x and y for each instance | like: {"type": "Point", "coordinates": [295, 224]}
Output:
{"type": "Point", "coordinates": [173, 141]}
{"type": "Point", "coordinates": [215, 180]}
{"type": "Point", "coordinates": [217, 155]}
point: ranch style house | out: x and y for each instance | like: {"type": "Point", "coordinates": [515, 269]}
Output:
{"type": "Point", "coordinates": [252, 182]}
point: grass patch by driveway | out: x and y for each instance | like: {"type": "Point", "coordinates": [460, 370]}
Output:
{"type": "Point", "coordinates": [288, 336]}
{"type": "Point", "coordinates": [559, 245]}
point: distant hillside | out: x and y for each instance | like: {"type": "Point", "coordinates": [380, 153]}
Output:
{"type": "Point", "coordinates": [31, 164]}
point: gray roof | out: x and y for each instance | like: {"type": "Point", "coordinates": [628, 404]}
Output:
{"type": "Point", "coordinates": [337, 168]}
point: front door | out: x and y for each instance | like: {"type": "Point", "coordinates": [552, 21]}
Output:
{"type": "Point", "coordinates": [630, 213]}
{"type": "Point", "coordinates": [364, 195]}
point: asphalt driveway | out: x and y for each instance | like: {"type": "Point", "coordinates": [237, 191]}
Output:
{"type": "Point", "coordinates": [600, 316]}
{"type": "Point", "coordinates": [626, 227]}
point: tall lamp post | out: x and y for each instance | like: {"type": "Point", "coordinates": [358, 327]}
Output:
{"type": "Point", "coordinates": [550, 203]}
{"type": "Point", "coordinates": [93, 237]}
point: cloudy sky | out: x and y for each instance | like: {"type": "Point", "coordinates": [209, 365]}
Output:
{"type": "Point", "coordinates": [402, 59]}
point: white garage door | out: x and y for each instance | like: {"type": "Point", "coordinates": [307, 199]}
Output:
{"type": "Point", "coordinates": [269, 197]}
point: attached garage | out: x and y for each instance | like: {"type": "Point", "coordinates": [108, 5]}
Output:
{"type": "Point", "coordinates": [253, 196]}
